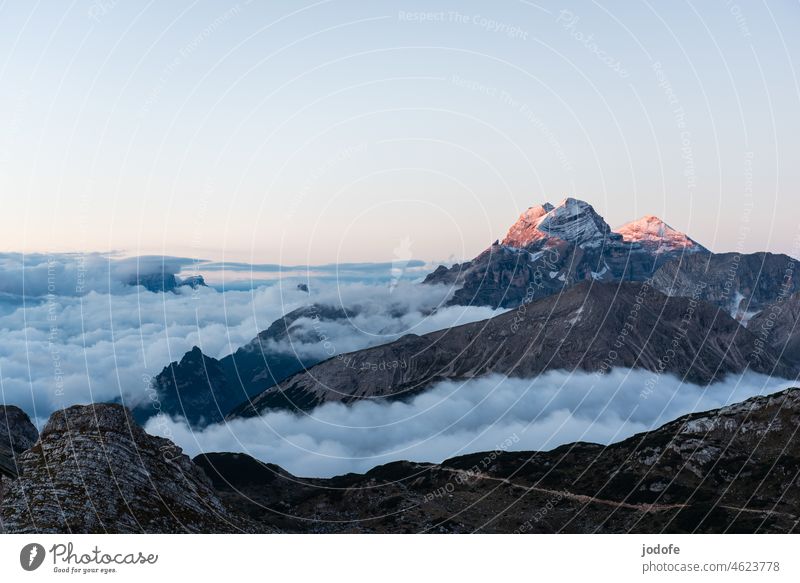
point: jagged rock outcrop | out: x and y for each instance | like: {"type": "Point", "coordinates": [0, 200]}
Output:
{"type": "Point", "coordinates": [734, 469]}
{"type": "Point", "coordinates": [571, 220]}
{"type": "Point", "coordinates": [196, 388]}
{"type": "Point", "coordinates": [95, 470]}
{"type": "Point", "coordinates": [164, 281]}
{"type": "Point", "coordinates": [17, 434]}
{"type": "Point", "coordinates": [590, 327]}
{"type": "Point", "coordinates": [203, 389]}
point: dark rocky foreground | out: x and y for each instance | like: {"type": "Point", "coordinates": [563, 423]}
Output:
{"type": "Point", "coordinates": [94, 469]}
{"type": "Point", "coordinates": [590, 326]}
{"type": "Point", "coordinates": [735, 469]}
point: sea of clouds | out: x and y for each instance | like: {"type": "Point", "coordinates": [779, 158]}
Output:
{"type": "Point", "coordinates": [452, 418]}
{"type": "Point", "coordinates": [74, 331]}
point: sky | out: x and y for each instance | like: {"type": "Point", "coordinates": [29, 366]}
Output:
{"type": "Point", "coordinates": [334, 131]}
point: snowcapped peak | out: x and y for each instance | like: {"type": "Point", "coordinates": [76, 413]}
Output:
{"type": "Point", "coordinates": [655, 235]}
{"type": "Point", "coordinates": [570, 220]}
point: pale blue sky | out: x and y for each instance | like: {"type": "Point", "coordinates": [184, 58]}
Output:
{"type": "Point", "coordinates": [297, 132]}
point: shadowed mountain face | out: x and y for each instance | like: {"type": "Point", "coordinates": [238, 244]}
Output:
{"type": "Point", "coordinates": [734, 469]}
{"type": "Point", "coordinates": [203, 389]}
{"type": "Point", "coordinates": [552, 247]}
{"type": "Point", "coordinates": [164, 281]}
{"type": "Point", "coordinates": [778, 326]}
{"type": "Point", "coordinates": [95, 470]}
{"type": "Point", "coordinates": [17, 434]}
{"type": "Point", "coordinates": [590, 327]}
{"type": "Point", "coordinates": [741, 284]}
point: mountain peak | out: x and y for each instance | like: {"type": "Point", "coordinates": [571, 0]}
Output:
{"type": "Point", "coordinates": [654, 234]}
{"type": "Point", "coordinates": [570, 220]}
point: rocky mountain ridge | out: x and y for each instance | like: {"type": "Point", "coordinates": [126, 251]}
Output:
{"type": "Point", "coordinates": [591, 327]}
{"type": "Point", "coordinates": [734, 469]}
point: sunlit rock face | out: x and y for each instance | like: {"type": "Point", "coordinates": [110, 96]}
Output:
{"type": "Point", "coordinates": [571, 220]}
{"type": "Point", "coordinates": [656, 236]}
{"type": "Point", "coordinates": [552, 247]}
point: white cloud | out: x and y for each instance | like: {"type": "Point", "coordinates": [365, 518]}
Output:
{"type": "Point", "coordinates": [457, 418]}
{"type": "Point", "coordinates": [67, 348]}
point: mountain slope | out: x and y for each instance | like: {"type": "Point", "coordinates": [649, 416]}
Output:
{"type": "Point", "coordinates": [590, 327]}
{"type": "Point", "coordinates": [95, 470]}
{"type": "Point", "coordinates": [733, 469]}
{"type": "Point", "coordinates": [741, 284]}
{"type": "Point", "coordinates": [778, 326]}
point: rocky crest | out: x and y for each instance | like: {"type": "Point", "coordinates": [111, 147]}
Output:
{"type": "Point", "coordinates": [203, 389]}
{"type": "Point", "coordinates": [165, 282]}
{"type": "Point", "coordinates": [571, 220]}
{"type": "Point", "coordinates": [95, 470]}
{"type": "Point", "coordinates": [590, 327]}
{"type": "Point", "coordinates": [551, 248]}
{"type": "Point", "coordinates": [735, 469]}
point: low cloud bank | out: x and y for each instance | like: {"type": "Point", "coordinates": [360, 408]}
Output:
{"type": "Point", "coordinates": [36, 275]}
{"type": "Point", "coordinates": [33, 276]}
{"type": "Point", "coordinates": [65, 348]}
{"type": "Point", "coordinates": [457, 418]}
